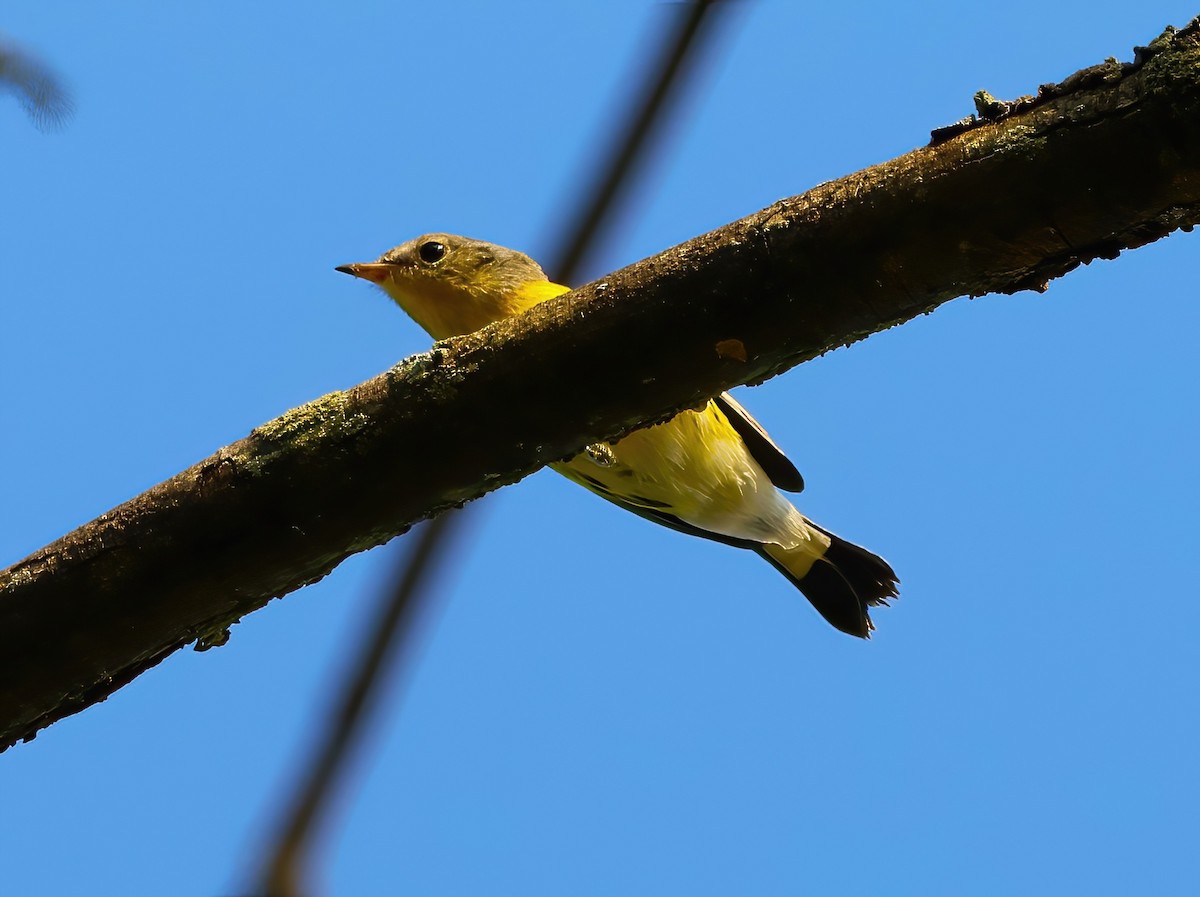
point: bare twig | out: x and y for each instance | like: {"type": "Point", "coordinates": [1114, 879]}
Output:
{"type": "Point", "coordinates": [400, 614]}
{"type": "Point", "coordinates": [682, 43]}
{"type": "Point", "coordinates": [394, 634]}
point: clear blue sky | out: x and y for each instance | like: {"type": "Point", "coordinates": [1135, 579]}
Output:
{"type": "Point", "coordinates": [604, 707]}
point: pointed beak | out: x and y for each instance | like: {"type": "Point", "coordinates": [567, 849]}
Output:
{"type": "Point", "coordinates": [372, 271]}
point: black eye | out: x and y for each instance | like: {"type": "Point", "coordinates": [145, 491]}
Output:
{"type": "Point", "coordinates": [432, 252]}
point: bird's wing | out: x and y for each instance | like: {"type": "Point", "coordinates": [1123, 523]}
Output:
{"type": "Point", "coordinates": [770, 457]}
{"type": "Point", "coordinates": [672, 522]}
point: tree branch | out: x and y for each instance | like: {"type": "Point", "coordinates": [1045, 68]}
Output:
{"type": "Point", "coordinates": [1108, 161]}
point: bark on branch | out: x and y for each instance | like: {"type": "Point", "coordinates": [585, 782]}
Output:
{"type": "Point", "coordinates": [1109, 160]}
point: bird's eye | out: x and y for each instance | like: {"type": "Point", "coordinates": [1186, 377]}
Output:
{"type": "Point", "coordinates": [432, 252]}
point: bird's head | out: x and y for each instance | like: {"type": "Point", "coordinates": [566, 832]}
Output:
{"type": "Point", "coordinates": [452, 285]}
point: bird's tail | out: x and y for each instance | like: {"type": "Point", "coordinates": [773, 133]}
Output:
{"type": "Point", "coordinates": [842, 583]}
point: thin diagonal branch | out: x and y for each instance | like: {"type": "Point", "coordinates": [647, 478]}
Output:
{"type": "Point", "coordinates": [693, 24]}
{"type": "Point", "coordinates": [393, 636]}
{"type": "Point", "coordinates": [286, 866]}
{"type": "Point", "coordinates": [1111, 165]}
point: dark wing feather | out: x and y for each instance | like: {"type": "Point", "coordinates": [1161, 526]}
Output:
{"type": "Point", "coordinates": [770, 457]}
{"type": "Point", "coordinates": [672, 522]}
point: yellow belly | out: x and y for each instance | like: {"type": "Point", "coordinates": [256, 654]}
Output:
{"type": "Point", "coordinates": [694, 467]}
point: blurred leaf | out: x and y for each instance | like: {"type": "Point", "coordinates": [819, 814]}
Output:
{"type": "Point", "coordinates": [36, 85]}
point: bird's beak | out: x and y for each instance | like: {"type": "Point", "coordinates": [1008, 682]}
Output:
{"type": "Point", "coordinates": [372, 271]}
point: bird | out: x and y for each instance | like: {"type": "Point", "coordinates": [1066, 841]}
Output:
{"type": "Point", "coordinates": [711, 472]}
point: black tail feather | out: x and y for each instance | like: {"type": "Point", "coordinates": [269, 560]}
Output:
{"type": "Point", "coordinates": [844, 583]}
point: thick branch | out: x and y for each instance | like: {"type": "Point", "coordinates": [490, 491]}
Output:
{"type": "Point", "coordinates": [1111, 164]}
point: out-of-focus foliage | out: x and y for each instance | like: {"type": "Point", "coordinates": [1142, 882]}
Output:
{"type": "Point", "coordinates": [36, 85]}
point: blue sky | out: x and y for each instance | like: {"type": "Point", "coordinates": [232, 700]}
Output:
{"type": "Point", "coordinates": [604, 707]}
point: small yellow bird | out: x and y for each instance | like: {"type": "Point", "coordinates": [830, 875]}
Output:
{"type": "Point", "coordinates": [713, 473]}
